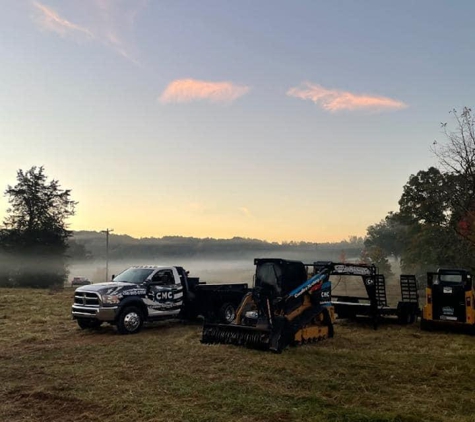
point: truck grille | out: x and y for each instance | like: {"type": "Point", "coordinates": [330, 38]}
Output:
{"type": "Point", "coordinates": [86, 299]}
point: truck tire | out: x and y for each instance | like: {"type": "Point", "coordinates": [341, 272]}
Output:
{"type": "Point", "coordinates": [227, 313]}
{"type": "Point", "coordinates": [130, 320]}
{"type": "Point", "coordinates": [85, 324]}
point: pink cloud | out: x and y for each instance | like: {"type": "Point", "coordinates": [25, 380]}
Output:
{"type": "Point", "coordinates": [188, 90]}
{"type": "Point", "coordinates": [334, 100]}
{"type": "Point", "coordinates": [48, 19]}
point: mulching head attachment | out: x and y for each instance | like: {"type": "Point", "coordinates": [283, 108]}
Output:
{"type": "Point", "coordinates": [239, 335]}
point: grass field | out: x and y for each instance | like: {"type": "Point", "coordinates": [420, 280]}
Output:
{"type": "Point", "coordinates": [52, 371]}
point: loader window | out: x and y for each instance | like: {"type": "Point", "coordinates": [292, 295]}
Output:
{"type": "Point", "coordinates": [269, 274]}
{"type": "Point", "coordinates": [450, 278]}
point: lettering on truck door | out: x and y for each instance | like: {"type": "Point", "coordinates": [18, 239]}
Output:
{"type": "Point", "coordinates": [164, 296]}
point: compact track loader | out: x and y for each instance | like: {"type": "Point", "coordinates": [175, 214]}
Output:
{"type": "Point", "coordinates": [285, 307]}
{"type": "Point", "coordinates": [450, 301]}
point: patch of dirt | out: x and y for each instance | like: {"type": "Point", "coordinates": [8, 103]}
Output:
{"type": "Point", "coordinates": [43, 405]}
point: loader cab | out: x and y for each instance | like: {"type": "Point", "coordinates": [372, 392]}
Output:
{"type": "Point", "coordinates": [449, 296]}
{"type": "Point", "coordinates": [280, 276]}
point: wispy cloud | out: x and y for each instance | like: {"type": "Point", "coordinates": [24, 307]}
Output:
{"type": "Point", "coordinates": [112, 40]}
{"type": "Point", "coordinates": [108, 21]}
{"type": "Point", "coordinates": [50, 20]}
{"type": "Point", "coordinates": [188, 90]}
{"type": "Point", "coordinates": [335, 100]}
{"type": "Point", "coordinates": [117, 17]}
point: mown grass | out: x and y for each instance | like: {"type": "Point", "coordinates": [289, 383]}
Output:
{"type": "Point", "coordinates": [52, 371]}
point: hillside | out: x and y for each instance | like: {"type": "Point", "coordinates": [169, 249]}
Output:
{"type": "Point", "coordinates": [91, 245]}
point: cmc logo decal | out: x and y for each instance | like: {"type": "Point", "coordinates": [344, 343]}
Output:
{"type": "Point", "coordinates": [164, 295]}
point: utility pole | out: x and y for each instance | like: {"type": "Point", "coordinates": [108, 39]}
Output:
{"type": "Point", "coordinates": [107, 231]}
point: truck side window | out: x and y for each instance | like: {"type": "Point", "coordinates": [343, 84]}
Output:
{"type": "Point", "coordinates": [163, 277]}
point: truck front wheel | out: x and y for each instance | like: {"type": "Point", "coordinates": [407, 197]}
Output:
{"type": "Point", "coordinates": [130, 320]}
{"type": "Point", "coordinates": [227, 313]}
{"type": "Point", "coordinates": [85, 324]}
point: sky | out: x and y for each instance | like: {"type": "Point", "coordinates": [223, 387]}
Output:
{"type": "Point", "coordinates": [277, 120]}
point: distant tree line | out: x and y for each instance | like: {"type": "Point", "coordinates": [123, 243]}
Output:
{"type": "Point", "coordinates": [91, 246]}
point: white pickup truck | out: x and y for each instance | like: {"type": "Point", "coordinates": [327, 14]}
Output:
{"type": "Point", "coordinates": [150, 293]}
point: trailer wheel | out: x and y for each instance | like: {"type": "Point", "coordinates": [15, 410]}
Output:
{"type": "Point", "coordinates": [130, 320]}
{"type": "Point", "coordinates": [85, 324]}
{"type": "Point", "coordinates": [227, 313]}
{"type": "Point", "coordinates": [405, 318]}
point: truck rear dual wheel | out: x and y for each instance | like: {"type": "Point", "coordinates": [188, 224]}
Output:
{"type": "Point", "coordinates": [130, 320]}
{"type": "Point", "coordinates": [227, 313]}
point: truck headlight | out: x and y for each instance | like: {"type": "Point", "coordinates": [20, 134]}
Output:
{"type": "Point", "coordinates": [110, 299]}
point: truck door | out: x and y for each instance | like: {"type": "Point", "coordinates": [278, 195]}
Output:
{"type": "Point", "coordinates": [165, 296]}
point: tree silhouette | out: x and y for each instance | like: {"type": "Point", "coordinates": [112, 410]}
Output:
{"type": "Point", "coordinates": [35, 233]}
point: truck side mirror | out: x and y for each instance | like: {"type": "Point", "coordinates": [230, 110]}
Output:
{"type": "Point", "coordinates": [113, 276]}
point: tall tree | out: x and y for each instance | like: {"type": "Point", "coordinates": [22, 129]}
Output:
{"type": "Point", "coordinates": [389, 236]}
{"type": "Point", "coordinates": [379, 258]}
{"type": "Point", "coordinates": [457, 159]}
{"type": "Point", "coordinates": [35, 232]}
{"type": "Point", "coordinates": [426, 198]}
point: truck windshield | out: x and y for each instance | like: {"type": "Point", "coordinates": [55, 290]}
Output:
{"type": "Point", "coordinates": [134, 275]}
